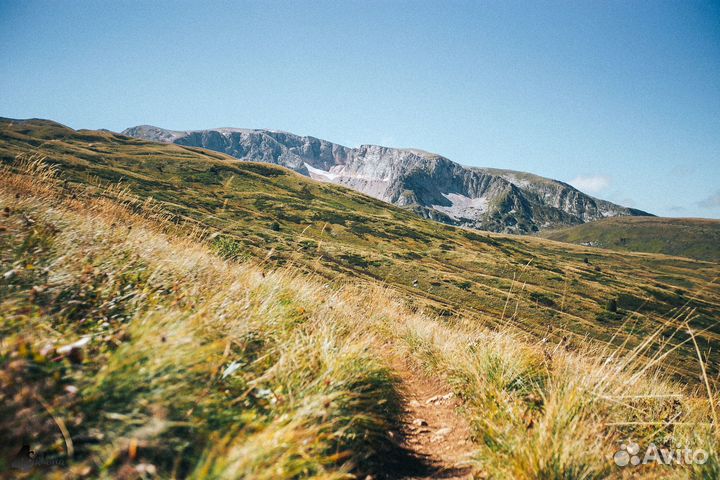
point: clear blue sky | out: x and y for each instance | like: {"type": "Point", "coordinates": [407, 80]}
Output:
{"type": "Point", "coordinates": [620, 98]}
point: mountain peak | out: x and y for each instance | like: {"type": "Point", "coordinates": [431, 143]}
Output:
{"type": "Point", "coordinates": [431, 185]}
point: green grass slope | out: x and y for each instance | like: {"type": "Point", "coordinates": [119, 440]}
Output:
{"type": "Point", "coordinates": [684, 237]}
{"type": "Point", "coordinates": [555, 291]}
{"type": "Point", "coordinates": [136, 345]}
{"type": "Point", "coordinates": [163, 358]}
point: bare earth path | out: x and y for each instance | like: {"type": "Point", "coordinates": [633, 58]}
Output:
{"type": "Point", "coordinates": [433, 432]}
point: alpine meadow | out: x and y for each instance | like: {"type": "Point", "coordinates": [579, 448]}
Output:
{"type": "Point", "coordinates": [377, 240]}
{"type": "Point", "coordinates": [177, 312]}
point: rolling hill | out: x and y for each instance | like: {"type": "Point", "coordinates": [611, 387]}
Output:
{"type": "Point", "coordinates": [428, 184]}
{"type": "Point", "coordinates": [172, 311]}
{"type": "Point", "coordinates": [258, 210]}
{"type": "Point", "coordinates": [683, 237]}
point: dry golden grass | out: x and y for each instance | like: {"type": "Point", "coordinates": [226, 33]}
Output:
{"type": "Point", "coordinates": [264, 211]}
{"type": "Point", "coordinates": [197, 366]}
{"type": "Point", "coordinates": [211, 367]}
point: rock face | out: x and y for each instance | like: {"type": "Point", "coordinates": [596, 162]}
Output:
{"type": "Point", "coordinates": [429, 184]}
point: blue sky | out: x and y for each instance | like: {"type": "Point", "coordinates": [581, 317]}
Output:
{"type": "Point", "coordinates": [621, 99]}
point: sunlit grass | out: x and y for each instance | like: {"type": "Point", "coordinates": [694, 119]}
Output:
{"type": "Point", "coordinates": [267, 213]}
{"type": "Point", "coordinates": [194, 365]}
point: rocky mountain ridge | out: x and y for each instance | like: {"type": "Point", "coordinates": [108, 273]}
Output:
{"type": "Point", "coordinates": [431, 185]}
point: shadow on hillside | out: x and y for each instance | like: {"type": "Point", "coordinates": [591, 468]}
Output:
{"type": "Point", "coordinates": [401, 463]}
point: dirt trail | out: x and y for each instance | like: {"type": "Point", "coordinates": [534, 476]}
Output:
{"type": "Point", "coordinates": [433, 433]}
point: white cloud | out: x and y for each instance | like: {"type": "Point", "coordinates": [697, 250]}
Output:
{"type": "Point", "coordinates": [591, 183]}
{"type": "Point", "coordinates": [713, 201]}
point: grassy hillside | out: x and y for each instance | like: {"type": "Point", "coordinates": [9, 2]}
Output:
{"type": "Point", "coordinates": [554, 291]}
{"type": "Point", "coordinates": [157, 353]}
{"type": "Point", "coordinates": [684, 237]}
{"type": "Point", "coordinates": [132, 349]}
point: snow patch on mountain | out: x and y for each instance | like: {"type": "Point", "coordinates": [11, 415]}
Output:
{"type": "Point", "coordinates": [462, 206]}
{"type": "Point", "coordinates": [429, 184]}
{"type": "Point", "coordinates": [318, 174]}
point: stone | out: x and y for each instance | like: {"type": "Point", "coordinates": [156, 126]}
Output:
{"type": "Point", "coordinates": [431, 185]}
